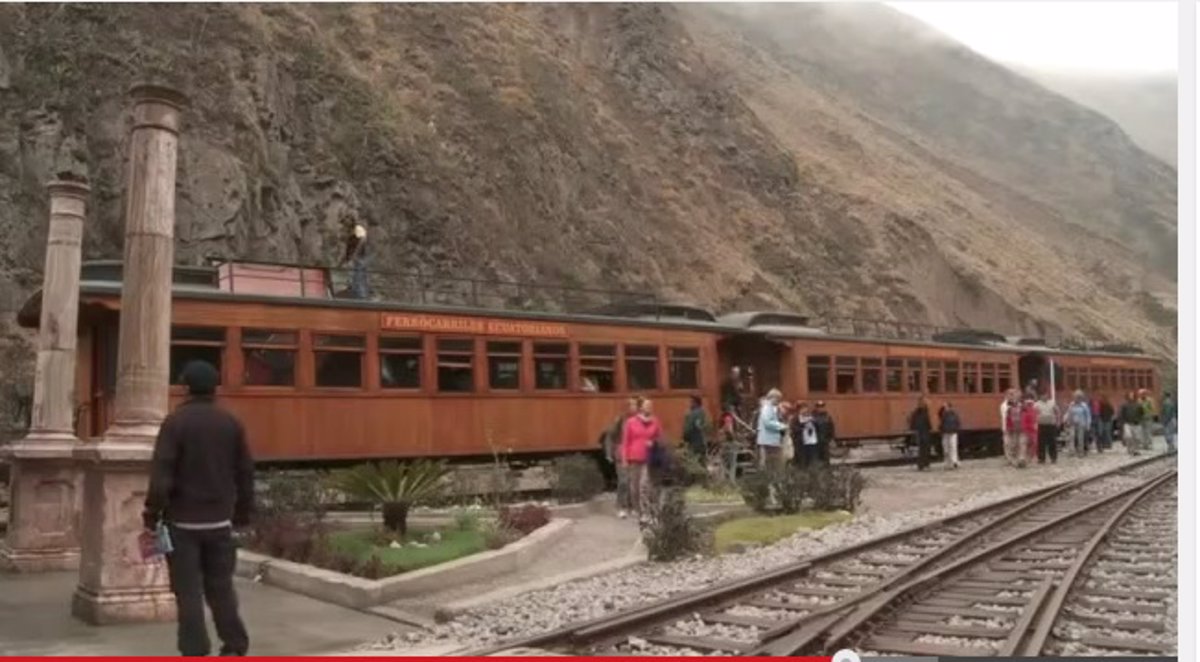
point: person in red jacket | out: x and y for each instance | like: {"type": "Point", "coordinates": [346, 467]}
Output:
{"type": "Point", "coordinates": [1029, 427]}
{"type": "Point", "coordinates": [641, 432]}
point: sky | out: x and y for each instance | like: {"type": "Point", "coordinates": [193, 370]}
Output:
{"type": "Point", "coordinates": [1121, 37]}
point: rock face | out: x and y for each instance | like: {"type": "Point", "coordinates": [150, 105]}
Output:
{"type": "Point", "coordinates": [835, 159]}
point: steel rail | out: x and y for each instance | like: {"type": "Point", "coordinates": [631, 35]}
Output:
{"type": "Point", "coordinates": [837, 631]}
{"type": "Point", "coordinates": [1054, 605]}
{"type": "Point", "coordinates": [652, 614]}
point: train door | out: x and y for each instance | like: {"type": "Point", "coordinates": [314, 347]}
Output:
{"type": "Point", "coordinates": [104, 374]}
{"type": "Point", "coordinates": [760, 360]}
{"type": "Point", "coordinates": [1037, 366]}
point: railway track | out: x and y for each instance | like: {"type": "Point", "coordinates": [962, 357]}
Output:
{"type": "Point", "coordinates": [822, 601]}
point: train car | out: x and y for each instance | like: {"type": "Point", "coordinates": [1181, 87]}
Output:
{"type": "Point", "coordinates": [318, 378]}
{"type": "Point", "coordinates": [326, 379]}
{"type": "Point", "coordinates": [871, 385]}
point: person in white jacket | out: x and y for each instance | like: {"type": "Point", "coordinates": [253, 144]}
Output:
{"type": "Point", "coordinates": [770, 431]}
{"type": "Point", "coordinates": [1010, 431]}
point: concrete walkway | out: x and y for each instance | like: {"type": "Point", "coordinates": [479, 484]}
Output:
{"type": "Point", "coordinates": [35, 619]}
{"type": "Point", "coordinates": [594, 542]}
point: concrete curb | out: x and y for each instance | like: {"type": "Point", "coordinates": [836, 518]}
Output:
{"type": "Point", "coordinates": [359, 593]}
{"type": "Point", "coordinates": [596, 506]}
{"type": "Point", "coordinates": [635, 556]}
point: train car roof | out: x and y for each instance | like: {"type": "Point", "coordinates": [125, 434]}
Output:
{"type": "Point", "coordinates": [103, 277]}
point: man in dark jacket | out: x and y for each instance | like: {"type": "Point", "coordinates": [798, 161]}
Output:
{"type": "Point", "coordinates": [825, 431]}
{"type": "Point", "coordinates": [921, 426]}
{"type": "Point", "coordinates": [1131, 422]}
{"type": "Point", "coordinates": [201, 486]}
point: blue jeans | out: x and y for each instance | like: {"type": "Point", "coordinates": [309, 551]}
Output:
{"type": "Point", "coordinates": [1170, 431]}
{"type": "Point", "coordinates": [358, 278]}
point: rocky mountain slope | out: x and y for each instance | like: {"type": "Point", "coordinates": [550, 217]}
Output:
{"type": "Point", "coordinates": [837, 159]}
{"type": "Point", "coordinates": [1144, 105]}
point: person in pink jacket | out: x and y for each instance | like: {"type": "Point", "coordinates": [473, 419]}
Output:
{"type": "Point", "coordinates": [641, 432]}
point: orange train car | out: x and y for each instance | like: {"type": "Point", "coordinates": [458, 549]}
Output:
{"type": "Point", "coordinates": [317, 378]}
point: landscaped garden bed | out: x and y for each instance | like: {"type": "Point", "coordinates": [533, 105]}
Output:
{"type": "Point", "coordinates": [292, 525]}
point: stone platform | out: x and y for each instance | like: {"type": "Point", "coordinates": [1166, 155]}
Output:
{"type": "Point", "coordinates": [35, 619]}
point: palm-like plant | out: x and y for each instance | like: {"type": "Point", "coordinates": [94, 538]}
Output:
{"type": "Point", "coordinates": [394, 486]}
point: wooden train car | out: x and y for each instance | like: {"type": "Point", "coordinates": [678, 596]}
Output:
{"type": "Point", "coordinates": [318, 378]}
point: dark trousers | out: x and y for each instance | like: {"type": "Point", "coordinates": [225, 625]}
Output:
{"type": "Point", "coordinates": [201, 568]}
{"type": "Point", "coordinates": [1047, 443]}
{"type": "Point", "coordinates": [808, 455]}
{"type": "Point", "coordinates": [923, 449]}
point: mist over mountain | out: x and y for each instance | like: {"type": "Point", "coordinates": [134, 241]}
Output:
{"type": "Point", "coordinates": [837, 159]}
{"type": "Point", "coordinates": [1144, 105]}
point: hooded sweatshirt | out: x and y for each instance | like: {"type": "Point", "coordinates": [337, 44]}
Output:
{"type": "Point", "coordinates": [640, 433]}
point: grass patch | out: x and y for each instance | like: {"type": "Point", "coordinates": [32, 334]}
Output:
{"type": "Point", "coordinates": [764, 530]}
{"type": "Point", "coordinates": [700, 494]}
{"type": "Point", "coordinates": [362, 545]}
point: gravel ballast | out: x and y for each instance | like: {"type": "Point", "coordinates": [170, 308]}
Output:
{"type": "Point", "coordinates": [540, 611]}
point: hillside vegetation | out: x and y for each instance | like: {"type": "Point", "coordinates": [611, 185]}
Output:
{"type": "Point", "coordinates": [835, 159]}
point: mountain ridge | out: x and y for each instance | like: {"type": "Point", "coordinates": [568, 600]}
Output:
{"type": "Point", "coordinates": [794, 157]}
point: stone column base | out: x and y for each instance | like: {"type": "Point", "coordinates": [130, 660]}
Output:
{"type": "Point", "coordinates": [117, 606]}
{"type": "Point", "coordinates": [43, 519]}
{"type": "Point", "coordinates": [42, 560]}
{"type": "Point", "coordinates": [115, 584]}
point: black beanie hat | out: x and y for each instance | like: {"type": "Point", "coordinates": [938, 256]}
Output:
{"type": "Point", "coordinates": [200, 377]}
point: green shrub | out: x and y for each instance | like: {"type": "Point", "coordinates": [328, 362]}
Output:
{"type": "Point", "coordinates": [466, 519]}
{"type": "Point", "coordinates": [497, 535]}
{"type": "Point", "coordinates": [670, 533]}
{"type": "Point", "coordinates": [394, 486]}
{"type": "Point", "coordinates": [524, 520]}
{"type": "Point", "coordinates": [575, 478]}
{"type": "Point", "coordinates": [835, 488]}
{"type": "Point", "coordinates": [756, 490]}
{"type": "Point", "coordinates": [791, 488]}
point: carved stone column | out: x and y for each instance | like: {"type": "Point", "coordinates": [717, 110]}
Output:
{"type": "Point", "coordinates": [115, 585]}
{"type": "Point", "coordinates": [43, 530]}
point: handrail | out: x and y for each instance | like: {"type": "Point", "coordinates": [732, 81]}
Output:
{"type": "Point", "coordinates": [419, 287]}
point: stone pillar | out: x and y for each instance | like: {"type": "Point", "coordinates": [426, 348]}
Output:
{"type": "Point", "coordinates": [115, 585]}
{"type": "Point", "coordinates": [43, 530]}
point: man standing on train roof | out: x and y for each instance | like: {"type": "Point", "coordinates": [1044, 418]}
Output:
{"type": "Point", "coordinates": [356, 255]}
{"type": "Point", "coordinates": [826, 432]}
{"type": "Point", "coordinates": [201, 487]}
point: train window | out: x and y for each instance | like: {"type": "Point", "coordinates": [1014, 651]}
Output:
{"type": "Point", "coordinates": [1004, 380]}
{"type": "Point", "coordinates": [1069, 381]}
{"type": "Point", "coordinates": [895, 375]}
{"type": "Point", "coordinates": [339, 360]}
{"type": "Point", "coordinates": [683, 367]}
{"type": "Point", "coordinates": [400, 362]}
{"type": "Point", "coordinates": [846, 374]}
{"type": "Point", "coordinates": [270, 357]}
{"type": "Point", "coordinates": [971, 378]}
{"type": "Point", "coordinates": [641, 367]}
{"type": "Point", "coordinates": [597, 368]}
{"type": "Point", "coordinates": [872, 375]}
{"type": "Point", "coordinates": [987, 380]}
{"type": "Point", "coordinates": [550, 360]}
{"type": "Point", "coordinates": [914, 375]}
{"type": "Point", "coordinates": [455, 365]}
{"type": "Point", "coordinates": [818, 374]}
{"type": "Point", "coordinates": [504, 365]}
{"type": "Point", "coordinates": [951, 381]}
{"type": "Point", "coordinates": [195, 343]}
{"type": "Point", "coordinates": [933, 376]}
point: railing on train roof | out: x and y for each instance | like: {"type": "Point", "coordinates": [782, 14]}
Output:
{"type": "Point", "coordinates": [417, 287]}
